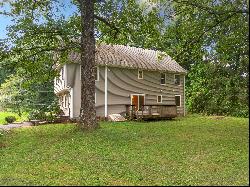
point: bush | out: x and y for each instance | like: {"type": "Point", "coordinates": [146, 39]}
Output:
{"type": "Point", "coordinates": [37, 115]}
{"type": "Point", "coordinates": [50, 117]}
{"type": "Point", "coordinates": [10, 119]}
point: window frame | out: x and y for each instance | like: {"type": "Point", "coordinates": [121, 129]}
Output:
{"type": "Point", "coordinates": [180, 100]}
{"type": "Point", "coordinates": [164, 79]}
{"type": "Point", "coordinates": [179, 79]}
{"type": "Point", "coordinates": [158, 97]}
{"type": "Point", "coordinates": [139, 74]}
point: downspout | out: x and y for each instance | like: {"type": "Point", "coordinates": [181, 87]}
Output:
{"type": "Point", "coordinates": [106, 92]}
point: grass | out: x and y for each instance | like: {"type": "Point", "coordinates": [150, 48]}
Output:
{"type": "Point", "coordinates": [5, 114]}
{"type": "Point", "coordinates": [194, 150]}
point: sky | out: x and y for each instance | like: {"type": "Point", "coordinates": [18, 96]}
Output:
{"type": "Point", "coordinates": [68, 10]}
{"type": "Point", "coordinates": [5, 21]}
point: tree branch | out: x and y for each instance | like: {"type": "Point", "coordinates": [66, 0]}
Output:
{"type": "Point", "coordinates": [112, 26]}
{"type": "Point", "coordinates": [189, 43]}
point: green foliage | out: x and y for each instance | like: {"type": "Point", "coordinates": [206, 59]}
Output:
{"type": "Point", "coordinates": [192, 151]}
{"type": "Point", "coordinates": [37, 115]}
{"type": "Point", "coordinates": [224, 94]}
{"type": "Point", "coordinates": [5, 114]}
{"type": "Point", "coordinates": [10, 119]}
{"type": "Point", "coordinates": [19, 94]}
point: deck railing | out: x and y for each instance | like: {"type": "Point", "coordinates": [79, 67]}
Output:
{"type": "Point", "coordinates": [151, 111]}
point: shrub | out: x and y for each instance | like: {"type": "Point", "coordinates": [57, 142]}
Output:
{"type": "Point", "coordinates": [10, 119]}
{"type": "Point", "coordinates": [37, 115]}
{"type": "Point", "coordinates": [50, 117]}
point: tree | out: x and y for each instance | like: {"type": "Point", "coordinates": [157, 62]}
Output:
{"type": "Point", "coordinates": [87, 112]}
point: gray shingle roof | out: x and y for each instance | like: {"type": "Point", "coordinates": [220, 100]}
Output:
{"type": "Point", "coordinates": [132, 57]}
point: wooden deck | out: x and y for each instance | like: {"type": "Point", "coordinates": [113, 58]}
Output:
{"type": "Point", "coordinates": [151, 112]}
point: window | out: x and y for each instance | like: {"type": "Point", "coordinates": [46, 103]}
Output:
{"type": "Point", "coordinates": [140, 74]}
{"type": "Point", "coordinates": [177, 79]}
{"type": "Point", "coordinates": [178, 100]}
{"type": "Point", "coordinates": [163, 78]}
{"type": "Point", "coordinates": [159, 98]}
{"type": "Point", "coordinates": [97, 73]}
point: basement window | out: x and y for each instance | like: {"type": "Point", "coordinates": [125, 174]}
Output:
{"type": "Point", "coordinates": [178, 100]}
{"type": "Point", "coordinates": [140, 74]}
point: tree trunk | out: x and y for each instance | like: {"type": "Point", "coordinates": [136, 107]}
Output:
{"type": "Point", "coordinates": [87, 112]}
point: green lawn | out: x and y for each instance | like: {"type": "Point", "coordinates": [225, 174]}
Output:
{"type": "Point", "coordinates": [194, 150]}
{"type": "Point", "coordinates": [5, 114]}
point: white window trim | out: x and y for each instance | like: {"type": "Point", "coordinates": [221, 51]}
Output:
{"type": "Point", "coordinates": [165, 79]}
{"type": "Point", "coordinates": [157, 98]}
{"type": "Point", "coordinates": [180, 80]}
{"type": "Point", "coordinates": [180, 100]}
{"type": "Point", "coordinates": [139, 74]}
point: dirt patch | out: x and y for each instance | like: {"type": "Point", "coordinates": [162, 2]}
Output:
{"type": "Point", "coordinates": [2, 145]}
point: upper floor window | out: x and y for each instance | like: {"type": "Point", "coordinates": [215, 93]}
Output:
{"type": "Point", "coordinates": [159, 98]}
{"type": "Point", "coordinates": [163, 78]}
{"type": "Point", "coordinates": [177, 79]}
{"type": "Point", "coordinates": [140, 74]}
{"type": "Point", "coordinates": [178, 100]}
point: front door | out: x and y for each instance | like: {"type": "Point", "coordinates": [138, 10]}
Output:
{"type": "Point", "coordinates": [138, 100]}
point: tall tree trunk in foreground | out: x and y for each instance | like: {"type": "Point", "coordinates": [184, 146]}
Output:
{"type": "Point", "coordinates": [87, 113]}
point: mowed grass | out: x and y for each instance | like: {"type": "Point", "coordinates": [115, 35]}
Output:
{"type": "Point", "coordinates": [18, 118]}
{"type": "Point", "coordinates": [194, 150]}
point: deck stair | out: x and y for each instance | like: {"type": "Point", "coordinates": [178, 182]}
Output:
{"type": "Point", "coordinates": [116, 117]}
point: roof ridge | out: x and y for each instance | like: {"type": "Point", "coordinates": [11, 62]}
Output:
{"type": "Point", "coordinates": [126, 56]}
